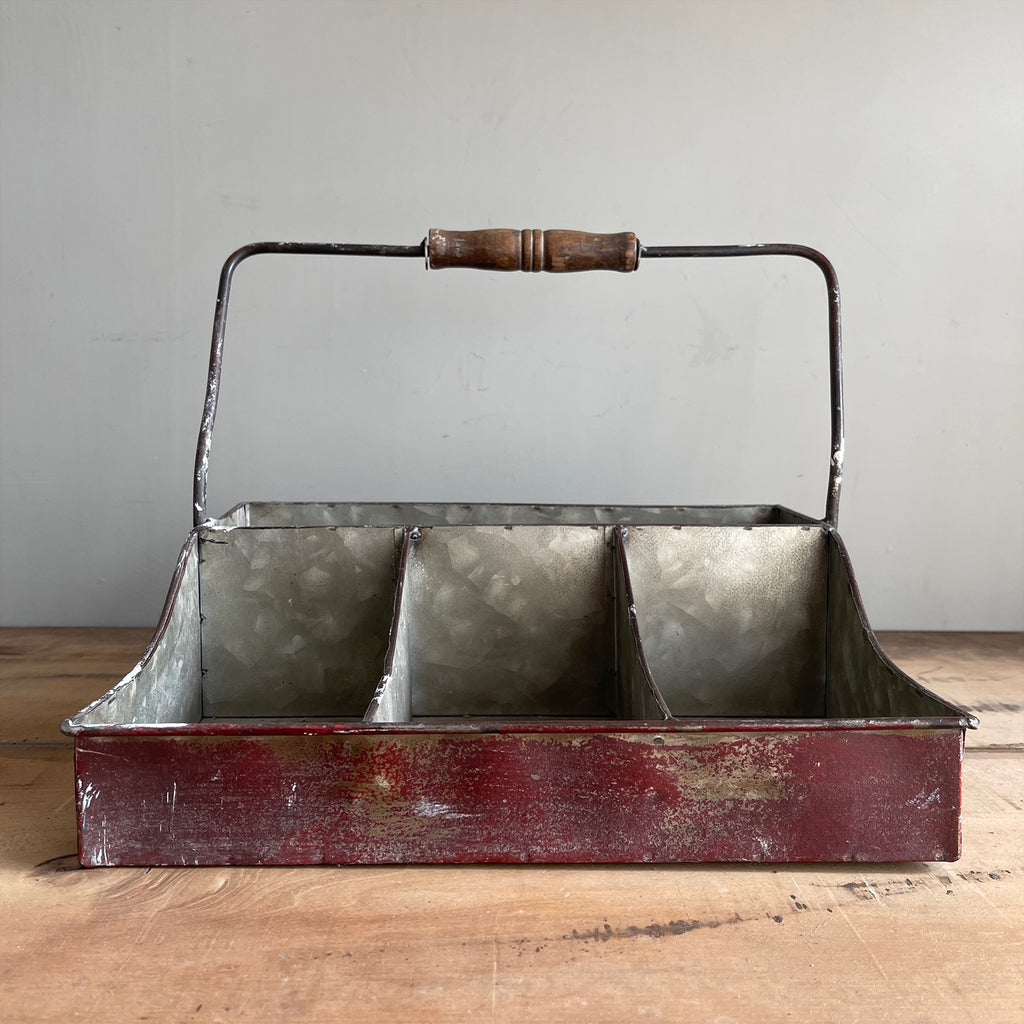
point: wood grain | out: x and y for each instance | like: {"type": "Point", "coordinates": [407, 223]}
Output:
{"type": "Point", "coordinates": [532, 250]}
{"type": "Point", "coordinates": [48, 674]}
{"type": "Point", "coordinates": [915, 943]}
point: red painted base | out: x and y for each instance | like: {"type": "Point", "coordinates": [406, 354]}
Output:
{"type": "Point", "coordinates": [513, 794]}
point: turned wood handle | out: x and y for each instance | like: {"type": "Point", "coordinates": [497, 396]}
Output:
{"type": "Point", "coordinates": [558, 252]}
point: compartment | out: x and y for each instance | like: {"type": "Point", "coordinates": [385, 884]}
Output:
{"type": "Point", "coordinates": [165, 686]}
{"type": "Point", "coordinates": [861, 682]}
{"type": "Point", "coordinates": [732, 620]}
{"type": "Point", "coordinates": [295, 622]}
{"type": "Point", "coordinates": [513, 621]}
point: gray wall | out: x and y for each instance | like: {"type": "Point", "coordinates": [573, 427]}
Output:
{"type": "Point", "coordinates": [142, 142]}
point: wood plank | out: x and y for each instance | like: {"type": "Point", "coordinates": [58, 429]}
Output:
{"type": "Point", "coordinates": [47, 674]}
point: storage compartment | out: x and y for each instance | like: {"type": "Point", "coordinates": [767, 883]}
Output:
{"type": "Point", "coordinates": [514, 621]}
{"type": "Point", "coordinates": [732, 619]}
{"type": "Point", "coordinates": [861, 682]}
{"type": "Point", "coordinates": [295, 621]}
{"type": "Point", "coordinates": [165, 687]}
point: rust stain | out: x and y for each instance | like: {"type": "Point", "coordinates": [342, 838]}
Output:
{"type": "Point", "coordinates": [724, 766]}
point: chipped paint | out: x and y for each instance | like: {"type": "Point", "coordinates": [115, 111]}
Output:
{"type": "Point", "coordinates": [425, 808]}
{"type": "Point", "coordinates": [520, 797]}
{"type": "Point", "coordinates": [921, 801]}
{"type": "Point", "coordinates": [89, 793]}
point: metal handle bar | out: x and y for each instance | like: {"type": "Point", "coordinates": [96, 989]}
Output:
{"type": "Point", "coordinates": [510, 249]}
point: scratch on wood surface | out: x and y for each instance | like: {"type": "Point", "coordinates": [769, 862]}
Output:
{"type": "Point", "coordinates": [145, 929]}
{"type": "Point", "coordinates": [821, 924]}
{"type": "Point", "coordinates": [984, 896]}
{"type": "Point", "coordinates": [870, 888]}
{"type": "Point", "coordinates": [494, 977]}
{"type": "Point", "coordinates": [867, 946]}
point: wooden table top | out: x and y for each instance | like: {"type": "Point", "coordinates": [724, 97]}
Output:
{"type": "Point", "coordinates": [722, 943]}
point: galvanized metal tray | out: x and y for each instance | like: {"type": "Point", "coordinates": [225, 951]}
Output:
{"type": "Point", "coordinates": [379, 683]}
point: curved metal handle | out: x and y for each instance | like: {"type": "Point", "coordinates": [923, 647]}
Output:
{"type": "Point", "coordinates": [220, 322]}
{"type": "Point", "coordinates": [835, 337]}
{"type": "Point", "coordinates": [576, 251]}
{"type": "Point", "coordinates": [532, 250]}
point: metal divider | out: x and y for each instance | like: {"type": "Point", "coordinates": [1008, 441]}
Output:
{"type": "Point", "coordinates": [392, 701]}
{"type": "Point", "coordinates": [638, 692]}
{"type": "Point", "coordinates": [514, 622]}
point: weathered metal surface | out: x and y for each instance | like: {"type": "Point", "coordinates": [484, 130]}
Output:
{"type": "Point", "coordinates": [295, 622]}
{"type": "Point", "coordinates": [532, 611]}
{"type": "Point", "coordinates": [732, 619]}
{"type": "Point", "coordinates": [520, 797]}
{"type": "Point", "coordinates": [165, 686]}
{"type": "Point", "coordinates": [638, 697]}
{"type": "Point", "coordinates": [379, 683]}
{"type": "Point", "coordinates": [392, 700]}
{"type": "Point", "coordinates": [835, 338]}
{"type": "Point", "coordinates": [220, 320]}
{"type": "Point", "coordinates": [399, 515]}
{"type": "Point", "coordinates": [511, 621]}
{"type": "Point", "coordinates": [861, 679]}
{"type": "Point", "coordinates": [205, 441]}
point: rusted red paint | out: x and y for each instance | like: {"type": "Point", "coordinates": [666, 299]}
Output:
{"type": "Point", "coordinates": [513, 796]}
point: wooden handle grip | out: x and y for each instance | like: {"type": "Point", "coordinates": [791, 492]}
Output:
{"type": "Point", "coordinates": [558, 252]}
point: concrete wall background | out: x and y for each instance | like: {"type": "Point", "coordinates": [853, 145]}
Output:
{"type": "Point", "coordinates": [142, 142]}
